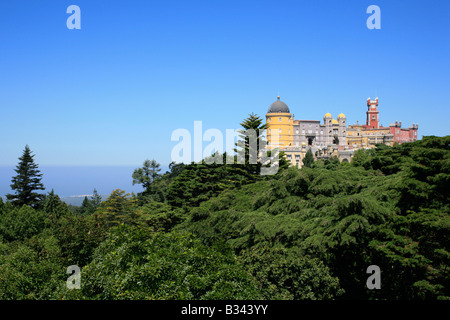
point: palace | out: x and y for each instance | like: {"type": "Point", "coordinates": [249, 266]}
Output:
{"type": "Point", "coordinates": [333, 137]}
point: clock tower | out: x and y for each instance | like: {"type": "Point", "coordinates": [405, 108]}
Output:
{"type": "Point", "coordinates": [372, 114]}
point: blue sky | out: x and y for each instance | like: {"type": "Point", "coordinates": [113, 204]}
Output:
{"type": "Point", "coordinates": [112, 93]}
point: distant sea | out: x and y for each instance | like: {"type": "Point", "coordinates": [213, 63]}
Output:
{"type": "Point", "coordinates": [79, 181]}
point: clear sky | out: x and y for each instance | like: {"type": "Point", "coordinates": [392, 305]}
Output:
{"type": "Point", "coordinates": [112, 93]}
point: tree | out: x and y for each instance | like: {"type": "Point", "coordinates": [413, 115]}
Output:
{"type": "Point", "coordinates": [133, 264]}
{"type": "Point", "coordinates": [308, 160]}
{"type": "Point", "coordinates": [86, 207]}
{"type": "Point", "coordinates": [89, 205]}
{"type": "Point", "coordinates": [96, 199]}
{"type": "Point", "coordinates": [175, 169]}
{"type": "Point", "coordinates": [251, 155]}
{"type": "Point", "coordinates": [147, 174]}
{"type": "Point", "coordinates": [32, 269]}
{"type": "Point", "coordinates": [27, 181]}
{"type": "Point", "coordinates": [283, 273]}
{"type": "Point", "coordinates": [21, 223]}
{"type": "Point", "coordinates": [54, 206]}
{"type": "Point", "coordinates": [119, 208]}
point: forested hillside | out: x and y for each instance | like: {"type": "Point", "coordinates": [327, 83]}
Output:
{"type": "Point", "coordinates": [225, 232]}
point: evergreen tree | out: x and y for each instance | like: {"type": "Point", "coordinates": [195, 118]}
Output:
{"type": "Point", "coordinates": [96, 199]}
{"type": "Point", "coordinates": [147, 174]}
{"type": "Point", "coordinates": [27, 181]}
{"type": "Point", "coordinates": [308, 160]}
{"type": "Point", "coordinates": [247, 147]}
{"type": "Point", "coordinates": [85, 206]}
{"type": "Point", "coordinates": [253, 122]}
{"type": "Point", "coordinates": [251, 150]}
{"type": "Point", "coordinates": [175, 169]}
{"type": "Point", "coordinates": [119, 208]}
{"type": "Point", "coordinates": [54, 206]}
{"type": "Point", "coordinates": [89, 205]}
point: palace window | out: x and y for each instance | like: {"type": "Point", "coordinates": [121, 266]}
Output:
{"type": "Point", "coordinates": [279, 119]}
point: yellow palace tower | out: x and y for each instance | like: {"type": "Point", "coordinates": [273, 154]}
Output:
{"type": "Point", "coordinates": [280, 122]}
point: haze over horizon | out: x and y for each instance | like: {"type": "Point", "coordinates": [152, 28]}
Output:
{"type": "Point", "coordinates": [81, 180]}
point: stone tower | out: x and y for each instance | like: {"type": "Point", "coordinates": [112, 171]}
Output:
{"type": "Point", "coordinates": [373, 120]}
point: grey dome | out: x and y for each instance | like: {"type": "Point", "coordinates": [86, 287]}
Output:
{"type": "Point", "coordinates": [278, 107]}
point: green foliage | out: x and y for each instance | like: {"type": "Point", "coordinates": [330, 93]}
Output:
{"type": "Point", "coordinates": [249, 143]}
{"type": "Point", "coordinates": [157, 188]}
{"type": "Point", "coordinates": [132, 264]}
{"type": "Point", "coordinates": [395, 216]}
{"type": "Point", "coordinates": [89, 205]}
{"type": "Point", "coordinates": [308, 160]}
{"type": "Point", "coordinates": [32, 269]}
{"type": "Point", "coordinates": [22, 223]}
{"type": "Point", "coordinates": [160, 216]}
{"type": "Point", "coordinates": [200, 182]}
{"type": "Point", "coordinates": [216, 231]}
{"type": "Point", "coordinates": [147, 174]}
{"type": "Point", "coordinates": [290, 274]}
{"type": "Point", "coordinates": [119, 208]}
{"type": "Point", "coordinates": [26, 182]}
{"type": "Point", "coordinates": [78, 237]}
{"type": "Point", "coordinates": [54, 206]}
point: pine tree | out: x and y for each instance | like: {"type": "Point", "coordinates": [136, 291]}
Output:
{"type": "Point", "coordinates": [253, 122]}
{"type": "Point", "coordinates": [147, 174]}
{"type": "Point", "coordinates": [54, 206]}
{"type": "Point", "coordinates": [27, 181]}
{"type": "Point", "coordinates": [253, 126]}
{"type": "Point", "coordinates": [85, 206]}
{"type": "Point", "coordinates": [246, 146]}
{"type": "Point", "coordinates": [118, 208]}
{"type": "Point", "coordinates": [308, 160]}
{"type": "Point", "coordinates": [96, 199]}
